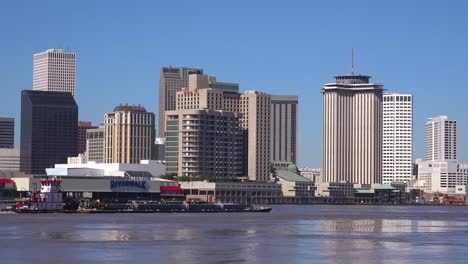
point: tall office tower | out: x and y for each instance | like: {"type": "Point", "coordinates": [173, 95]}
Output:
{"type": "Point", "coordinates": [49, 130]}
{"type": "Point", "coordinates": [7, 132]}
{"type": "Point", "coordinates": [352, 130]}
{"type": "Point", "coordinates": [255, 108]}
{"type": "Point", "coordinates": [95, 144]}
{"type": "Point", "coordinates": [172, 79]}
{"type": "Point", "coordinates": [441, 139]}
{"type": "Point", "coordinates": [397, 137]}
{"type": "Point", "coordinates": [54, 70]}
{"type": "Point", "coordinates": [128, 135]}
{"type": "Point", "coordinates": [82, 128]}
{"type": "Point", "coordinates": [204, 142]}
{"type": "Point", "coordinates": [284, 117]}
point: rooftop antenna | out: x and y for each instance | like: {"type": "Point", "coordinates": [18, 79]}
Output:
{"type": "Point", "coordinates": [352, 61]}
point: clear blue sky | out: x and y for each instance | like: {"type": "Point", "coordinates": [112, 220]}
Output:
{"type": "Point", "coordinates": [280, 47]}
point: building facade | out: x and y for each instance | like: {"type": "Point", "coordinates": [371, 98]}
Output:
{"type": "Point", "coordinates": [441, 139]}
{"type": "Point", "coordinates": [7, 132]}
{"type": "Point", "coordinates": [9, 159]}
{"type": "Point", "coordinates": [352, 130]}
{"type": "Point", "coordinates": [95, 144]}
{"type": "Point", "coordinates": [159, 151]}
{"type": "Point", "coordinates": [49, 130]}
{"type": "Point", "coordinates": [284, 129]}
{"type": "Point", "coordinates": [54, 70]}
{"type": "Point", "coordinates": [312, 174]}
{"type": "Point", "coordinates": [204, 143]}
{"type": "Point", "coordinates": [397, 137]}
{"type": "Point", "coordinates": [82, 128]}
{"type": "Point", "coordinates": [442, 176]}
{"type": "Point", "coordinates": [255, 108]}
{"type": "Point", "coordinates": [172, 79]}
{"type": "Point", "coordinates": [128, 134]}
{"type": "Point", "coordinates": [233, 192]}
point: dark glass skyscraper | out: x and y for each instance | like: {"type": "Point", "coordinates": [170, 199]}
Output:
{"type": "Point", "coordinates": [49, 127]}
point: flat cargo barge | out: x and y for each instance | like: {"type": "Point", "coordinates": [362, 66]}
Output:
{"type": "Point", "coordinates": [155, 208]}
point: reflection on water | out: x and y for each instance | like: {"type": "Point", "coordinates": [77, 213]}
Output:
{"type": "Point", "coordinates": [295, 234]}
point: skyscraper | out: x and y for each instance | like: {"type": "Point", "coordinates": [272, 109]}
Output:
{"type": "Point", "coordinates": [82, 128]}
{"type": "Point", "coordinates": [441, 139]}
{"type": "Point", "coordinates": [284, 117]}
{"type": "Point", "coordinates": [172, 79]}
{"type": "Point", "coordinates": [7, 132]}
{"type": "Point", "coordinates": [397, 137]}
{"type": "Point", "coordinates": [54, 70]}
{"type": "Point", "coordinates": [128, 135]}
{"type": "Point", "coordinates": [352, 130]}
{"type": "Point", "coordinates": [48, 130]}
{"type": "Point", "coordinates": [255, 108]}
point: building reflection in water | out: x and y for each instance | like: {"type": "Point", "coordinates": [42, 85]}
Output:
{"type": "Point", "coordinates": [376, 240]}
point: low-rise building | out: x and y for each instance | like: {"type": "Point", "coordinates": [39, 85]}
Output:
{"type": "Point", "coordinates": [293, 184]}
{"type": "Point", "coordinates": [131, 185]}
{"type": "Point", "coordinates": [233, 192]}
{"type": "Point", "coordinates": [442, 176]}
{"type": "Point", "coordinates": [80, 159]}
{"type": "Point", "coordinates": [339, 192]}
{"type": "Point", "coordinates": [154, 168]}
{"type": "Point", "coordinates": [312, 174]}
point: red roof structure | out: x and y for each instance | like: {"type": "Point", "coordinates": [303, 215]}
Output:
{"type": "Point", "coordinates": [3, 181]}
{"type": "Point", "coordinates": [170, 188]}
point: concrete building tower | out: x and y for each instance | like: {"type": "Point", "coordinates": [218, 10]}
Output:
{"type": "Point", "coordinates": [95, 144]}
{"type": "Point", "coordinates": [441, 139]}
{"type": "Point", "coordinates": [255, 108]}
{"type": "Point", "coordinates": [397, 137]}
{"type": "Point", "coordinates": [352, 130]}
{"type": "Point", "coordinates": [284, 119]}
{"type": "Point", "coordinates": [54, 70]}
{"type": "Point", "coordinates": [128, 135]}
{"type": "Point", "coordinates": [172, 79]}
{"type": "Point", "coordinates": [82, 128]}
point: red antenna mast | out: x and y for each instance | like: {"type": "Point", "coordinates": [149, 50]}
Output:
{"type": "Point", "coordinates": [352, 61]}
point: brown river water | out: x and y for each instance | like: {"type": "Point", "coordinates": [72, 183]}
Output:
{"type": "Point", "coordinates": [289, 234]}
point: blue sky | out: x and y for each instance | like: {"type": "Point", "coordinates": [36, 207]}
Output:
{"type": "Point", "coordinates": [280, 47]}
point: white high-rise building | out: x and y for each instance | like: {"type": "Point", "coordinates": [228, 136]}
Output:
{"type": "Point", "coordinates": [54, 70]}
{"type": "Point", "coordinates": [397, 137]}
{"type": "Point", "coordinates": [441, 139]}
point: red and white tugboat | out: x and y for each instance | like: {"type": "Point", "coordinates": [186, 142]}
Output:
{"type": "Point", "coordinates": [48, 199]}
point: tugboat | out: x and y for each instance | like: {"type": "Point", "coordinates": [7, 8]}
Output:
{"type": "Point", "coordinates": [49, 199]}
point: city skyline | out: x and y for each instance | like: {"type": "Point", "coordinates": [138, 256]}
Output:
{"type": "Point", "coordinates": [407, 69]}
